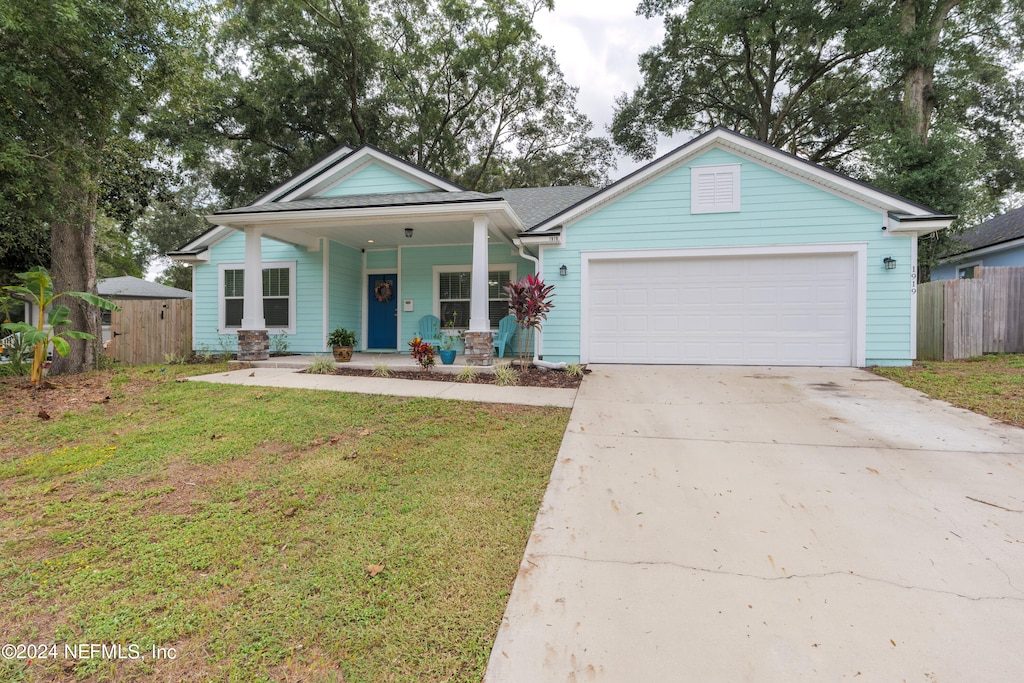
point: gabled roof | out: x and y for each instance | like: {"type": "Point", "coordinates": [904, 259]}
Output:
{"type": "Point", "coordinates": [128, 287]}
{"type": "Point", "coordinates": [1006, 227]}
{"type": "Point", "coordinates": [346, 160]}
{"type": "Point", "coordinates": [900, 210]}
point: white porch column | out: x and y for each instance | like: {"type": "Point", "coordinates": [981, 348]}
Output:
{"type": "Point", "coordinates": [252, 301]}
{"type": "Point", "coordinates": [478, 318]}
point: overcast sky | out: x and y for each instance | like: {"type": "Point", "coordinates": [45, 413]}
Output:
{"type": "Point", "coordinates": [597, 43]}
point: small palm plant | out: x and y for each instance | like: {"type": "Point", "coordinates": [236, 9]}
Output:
{"type": "Point", "coordinates": [38, 289]}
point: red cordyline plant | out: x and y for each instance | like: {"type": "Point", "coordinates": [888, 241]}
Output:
{"type": "Point", "coordinates": [422, 353]}
{"type": "Point", "coordinates": [529, 300]}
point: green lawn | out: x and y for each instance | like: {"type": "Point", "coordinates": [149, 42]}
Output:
{"type": "Point", "coordinates": [245, 528]}
{"type": "Point", "coordinates": [991, 385]}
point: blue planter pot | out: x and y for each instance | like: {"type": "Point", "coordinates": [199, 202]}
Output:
{"type": "Point", "coordinates": [447, 356]}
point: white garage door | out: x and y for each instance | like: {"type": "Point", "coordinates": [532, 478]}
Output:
{"type": "Point", "coordinates": [794, 309]}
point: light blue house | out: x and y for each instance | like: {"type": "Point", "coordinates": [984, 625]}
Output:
{"type": "Point", "coordinates": [724, 251]}
{"type": "Point", "coordinates": [998, 241]}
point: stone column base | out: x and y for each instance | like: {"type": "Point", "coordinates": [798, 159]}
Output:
{"type": "Point", "coordinates": [479, 347]}
{"type": "Point", "coordinates": [253, 345]}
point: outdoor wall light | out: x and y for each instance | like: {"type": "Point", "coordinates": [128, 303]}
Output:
{"type": "Point", "coordinates": [890, 263]}
{"type": "Point", "coordinates": [408, 233]}
{"type": "Point", "coordinates": [563, 271]}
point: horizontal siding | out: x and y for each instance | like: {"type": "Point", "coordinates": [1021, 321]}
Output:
{"type": "Point", "coordinates": [374, 179]}
{"type": "Point", "coordinates": [308, 292]}
{"type": "Point", "coordinates": [417, 276]}
{"type": "Point", "coordinates": [381, 258]}
{"type": "Point", "coordinates": [345, 291]}
{"type": "Point", "coordinates": [775, 210]}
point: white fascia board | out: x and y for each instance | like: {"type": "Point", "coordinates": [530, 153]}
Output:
{"type": "Point", "coordinates": [311, 172]}
{"type": "Point", "coordinates": [200, 257]}
{"type": "Point", "coordinates": [918, 227]}
{"type": "Point", "coordinates": [982, 251]}
{"type": "Point", "coordinates": [358, 160]}
{"type": "Point", "coordinates": [800, 169]}
{"type": "Point", "coordinates": [316, 217]}
{"type": "Point", "coordinates": [208, 238]}
{"type": "Point", "coordinates": [540, 240]}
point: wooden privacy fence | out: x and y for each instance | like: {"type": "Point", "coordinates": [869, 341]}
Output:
{"type": "Point", "coordinates": [147, 330]}
{"type": "Point", "coordinates": [967, 318]}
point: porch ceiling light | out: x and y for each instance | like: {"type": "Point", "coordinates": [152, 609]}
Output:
{"type": "Point", "coordinates": [890, 263]}
{"type": "Point", "coordinates": [369, 241]}
{"type": "Point", "coordinates": [408, 233]}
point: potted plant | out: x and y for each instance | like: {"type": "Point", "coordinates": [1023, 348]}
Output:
{"type": "Point", "coordinates": [449, 338]}
{"type": "Point", "coordinates": [341, 342]}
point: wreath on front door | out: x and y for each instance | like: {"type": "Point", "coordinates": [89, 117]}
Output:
{"type": "Point", "coordinates": [382, 291]}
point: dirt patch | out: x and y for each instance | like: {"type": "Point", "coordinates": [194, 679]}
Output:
{"type": "Point", "coordinates": [531, 377]}
{"type": "Point", "coordinates": [64, 394]}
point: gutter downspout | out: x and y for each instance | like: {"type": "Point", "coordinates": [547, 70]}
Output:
{"type": "Point", "coordinates": [536, 271]}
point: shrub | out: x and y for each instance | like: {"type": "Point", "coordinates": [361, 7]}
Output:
{"type": "Point", "coordinates": [467, 374]}
{"type": "Point", "coordinates": [505, 375]}
{"type": "Point", "coordinates": [423, 353]}
{"type": "Point", "coordinates": [321, 365]}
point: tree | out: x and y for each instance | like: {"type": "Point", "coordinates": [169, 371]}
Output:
{"type": "Point", "coordinates": [789, 72]}
{"type": "Point", "coordinates": [460, 87]}
{"type": "Point", "coordinates": [79, 78]}
{"type": "Point", "coordinates": [922, 97]}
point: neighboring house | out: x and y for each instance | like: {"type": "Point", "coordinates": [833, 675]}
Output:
{"type": "Point", "coordinates": [120, 288]}
{"type": "Point", "coordinates": [998, 241]}
{"type": "Point", "coordinates": [724, 251]}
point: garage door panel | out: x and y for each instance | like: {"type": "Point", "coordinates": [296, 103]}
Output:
{"type": "Point", "coordinates": [791, 309]}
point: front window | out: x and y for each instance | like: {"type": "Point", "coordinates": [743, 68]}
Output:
{"type": "Point", "coordinates": [454, 296]}
{"type": "Point", "coordinates": [278, 297]}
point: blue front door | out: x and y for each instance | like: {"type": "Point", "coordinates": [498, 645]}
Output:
{"type": "Point", "coordinates": [382, 312]}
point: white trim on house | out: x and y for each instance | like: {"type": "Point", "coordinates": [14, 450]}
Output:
{"type": "Point", "coordinates": [435, 296]}
{"type": "Point", "coordinates": [292, 266]}
{"type": "Point", "coordinates": [961, 267]}
{"type": "Point", "coordinates": [325, 255]}
{"type": "Point", "coordinates": [982, 251]}
{"type": "Point", "coordinates": [856, 249]}
{"type": "Point", "coordinates": [355, 162]}
{"type": "Point", "coordinates": [304, 176]}
{"type": "Point", "coordinates": [715, 189]}
{"type": "Point", "coordinates": [914, 277]}
{"type": "Point", "coordinates": [797, 168]}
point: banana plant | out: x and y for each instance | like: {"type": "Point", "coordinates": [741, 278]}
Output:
{"type": "Point", "coordinates": [38, 289]}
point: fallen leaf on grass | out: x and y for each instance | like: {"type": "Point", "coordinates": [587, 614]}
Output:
{"type": "Point", "coordinates": [43, 415]}
{"type": "Point", "coordinates": [364, 432]}
{"type": "Point", "coordinates": [374, 569]}
{"type": "Point", "coordinates": [350, 456]}
{"type": "Point", "coordinates": [290, 512]}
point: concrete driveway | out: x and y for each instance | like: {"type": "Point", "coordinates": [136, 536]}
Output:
{"type": "Point", "coordinates": [771, 524]}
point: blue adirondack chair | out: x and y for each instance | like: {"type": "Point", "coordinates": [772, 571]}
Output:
{"type": "Point", "coordinates": [430, 328]}
{"type": "Point", "coordinates": [506, 331]}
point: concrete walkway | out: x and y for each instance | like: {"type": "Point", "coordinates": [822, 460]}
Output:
{"type": "Point", "coordinates": [757, 524]}
{"type": "Point", "coordinates": [290, 377]}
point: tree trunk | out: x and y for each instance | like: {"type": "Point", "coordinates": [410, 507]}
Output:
{"type": "Point", "coordinates": [918, 101]}
{"type": "Point", "coordinates": [73, 267]}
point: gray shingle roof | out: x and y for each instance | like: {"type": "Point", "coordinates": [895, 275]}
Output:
{"type": "Point", "coordinates": [128, 287]}
{"type": "Point", "coordinates": [365, 201]}
{"type": "Point", "coordinates": [1008, 226]}
{"type": "Point", "coordinates": [534, 205]}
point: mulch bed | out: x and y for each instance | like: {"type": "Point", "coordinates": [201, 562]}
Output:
{"type": "Point", "coordinates": [531, 377]}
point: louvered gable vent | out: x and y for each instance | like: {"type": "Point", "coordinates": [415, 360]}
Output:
{"type": "Point", "coordinates": [715, 189]}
